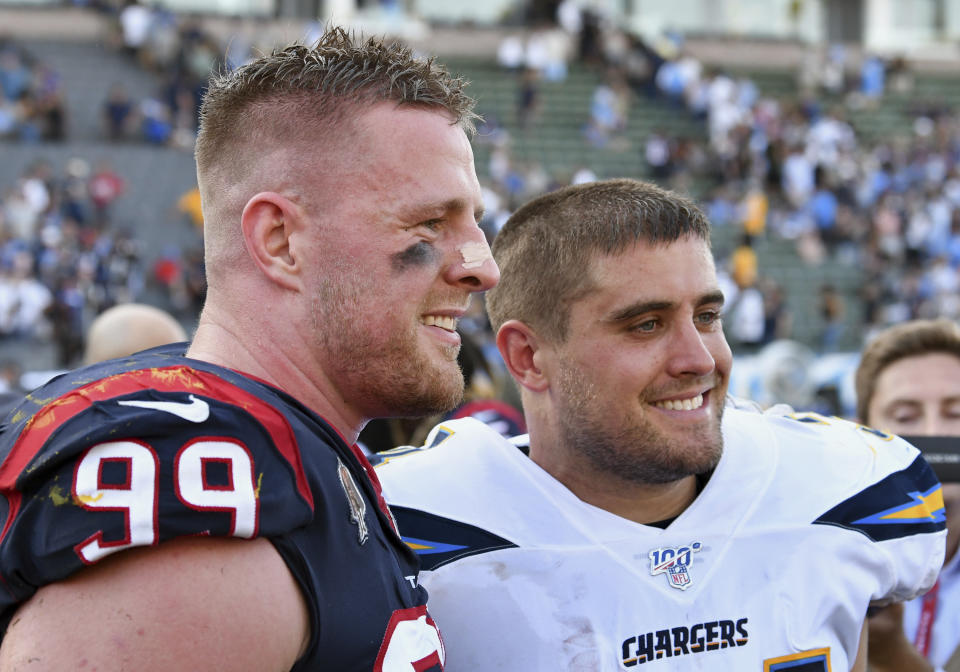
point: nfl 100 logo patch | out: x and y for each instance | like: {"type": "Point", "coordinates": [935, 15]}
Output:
{"type": "Point", "coordinates": [675, 563]}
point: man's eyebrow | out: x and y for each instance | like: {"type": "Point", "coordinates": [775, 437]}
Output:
{"type": "Point", "coordinates": [423, 211]}
{"type": "Point", "coordinates": [711, 297]}
{"type": "Point", "coordinates": [636, 309]}
{"type": "Point", "coordinates": [644, 307]}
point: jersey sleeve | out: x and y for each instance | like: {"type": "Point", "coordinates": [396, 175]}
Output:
{"type": "Point", "coordinates": [133, 461]}
{"type": "Point", "coordinates": [889, 495]}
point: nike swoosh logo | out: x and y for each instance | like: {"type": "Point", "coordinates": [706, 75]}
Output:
{"type": "Point", "coordinates": [196, 411]}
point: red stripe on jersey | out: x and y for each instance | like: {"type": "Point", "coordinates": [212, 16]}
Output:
{"type": "Point", "coordinates": [55, 413]}
{"type": "Point", "coordinates": [14, 499]}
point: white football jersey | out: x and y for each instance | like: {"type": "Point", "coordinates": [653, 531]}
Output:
{"type": "Point", "coordinates": [805, 522]}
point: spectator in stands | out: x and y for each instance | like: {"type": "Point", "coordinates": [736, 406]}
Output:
{"type": "Point", "coordinates": [755, 208]}
{"type": "Point", "coordinates": [777, 318]}
{"type": "Point", "coordinates": [798, 181]}
{"type": "Point", "coordinates": [832, 309]}
{"type": "Point", "coordinates": [119, 113]}
{"type": "Point", "coordinates": [908, 382]}
{"type": "Point", "coordinates": [609, 109]}
{"type": "Point", "coordinates": [822, 208]}
{"type": "Point", "coordinates": [66, 314]}
{"type": "Point", "coordinates": [641, 66]}
{"type": "Point", "coordinates": [74, 192]}
{"type": "Point", "coordinates": [528, 97]}
{"type": "Point", "coordinates": [135, 26]}
{"type": "Point", "coordinates": [658, 154]}
{"type": "Point", "coordinates": [105, 187]}
{"type": "Point", "coordinates": [872, 78]}
{"type": "Point", "coordinates": [190, 206]}
{"type": "Point", "coordinates": [156, 125]}
{"type": "Point", "coordinates": [14, 72]}
{"type": "Point", "coordinates": [50, 104]}
{"type": "Point", "coordinates": [744, 307]}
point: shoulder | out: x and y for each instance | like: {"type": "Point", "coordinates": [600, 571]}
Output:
{"type": "Point", "coordinates": [136, 452]}
{"type": "Point", "coordinates": [454, 464]}
{"type": "Point", "coordinates": [457, 442]}
{"type": "Point", "coordinates": [853, 451]}
{"type": "Point", "coordinates": [162, 608]}
{"type": "Point", "coordinates": [441, 492]}
{"type": "Point", "coordinates": [849, 475]}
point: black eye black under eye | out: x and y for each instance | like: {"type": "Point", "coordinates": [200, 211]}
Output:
{"type": "Point", "coordinates": [420, 254]}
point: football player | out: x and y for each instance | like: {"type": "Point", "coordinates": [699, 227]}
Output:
{"type": "Point", "coordinates": [632, 529]}
{"type": "Point", "coordinates": [205, 507]}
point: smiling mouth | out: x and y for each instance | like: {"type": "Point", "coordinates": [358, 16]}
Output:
{"type": "Point", "coordinates": [690, 404]}
{"type": "Point", "coordinates": [442, 321]}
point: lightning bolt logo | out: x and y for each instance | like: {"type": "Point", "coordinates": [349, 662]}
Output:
{"type": "Point", "coordinates": [425, 547]}
{"type": "Point", "coordinates": [924, 507]}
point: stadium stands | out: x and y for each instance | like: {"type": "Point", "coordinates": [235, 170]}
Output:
{"type": "Point", "coordinates": [519, 154]}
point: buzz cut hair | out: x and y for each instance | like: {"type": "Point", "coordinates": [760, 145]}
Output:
{"type": "Point", "coordinates": [546, 248]}
{"type": "Point", "coordinates": [302, 88]}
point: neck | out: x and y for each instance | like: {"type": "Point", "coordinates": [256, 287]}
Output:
{"type": "Point", "coordinates": [223, 342]}
{"type": "Point", "coordinates": [642, 503]}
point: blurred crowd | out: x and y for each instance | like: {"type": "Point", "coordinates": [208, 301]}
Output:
{"type": "Point", "coordinates": [789, 168]}
{"type": "Point", "coordinates": [172, 48]}
{"type": "Point", "coordinates": [181, 54]}
{"type": "Point", "coordinates": [32, 101]}
{"type": "Point", "coordinates": [61, 261]}
{"type": "Point", "coordinates": [65, 258]}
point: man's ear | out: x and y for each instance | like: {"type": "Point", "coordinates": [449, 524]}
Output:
{"type": "Point", "coordinates": [269, 222]}
{"type": "Point", "coordinates": [523, 353]}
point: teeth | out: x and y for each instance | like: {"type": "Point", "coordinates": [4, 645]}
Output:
{"type": "Point", "coordinates": [442, 321]}
{"type": "Point", "coordinates": [681, 404]}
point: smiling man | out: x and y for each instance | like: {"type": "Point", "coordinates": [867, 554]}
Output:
{"type": "Point", "coordinates": [204, 506]}
{"type": "Point", "coordinates": [644, 521]}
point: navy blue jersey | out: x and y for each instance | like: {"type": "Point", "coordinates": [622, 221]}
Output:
{"type": "Point", "coordinates": [136, 451]}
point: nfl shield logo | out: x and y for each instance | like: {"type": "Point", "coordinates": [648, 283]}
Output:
{"type": "Point", "coordinates": [675, 563]}
{"type": "Point", "coordinates": [679, 576]}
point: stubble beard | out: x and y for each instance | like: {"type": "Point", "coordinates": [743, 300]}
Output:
{"type": "Point", "coordinates": [631, 448]}
{"type": "Point", "coordinates": [390, 375]}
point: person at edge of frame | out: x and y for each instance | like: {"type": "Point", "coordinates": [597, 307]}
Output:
{"type": "Point", "coordinates": [908, 382]}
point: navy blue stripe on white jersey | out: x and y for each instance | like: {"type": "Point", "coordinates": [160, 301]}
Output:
{"type": "Point", "coordinates": [438, 540]}
{"type": "Point", "coordinates": [906, 502]}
